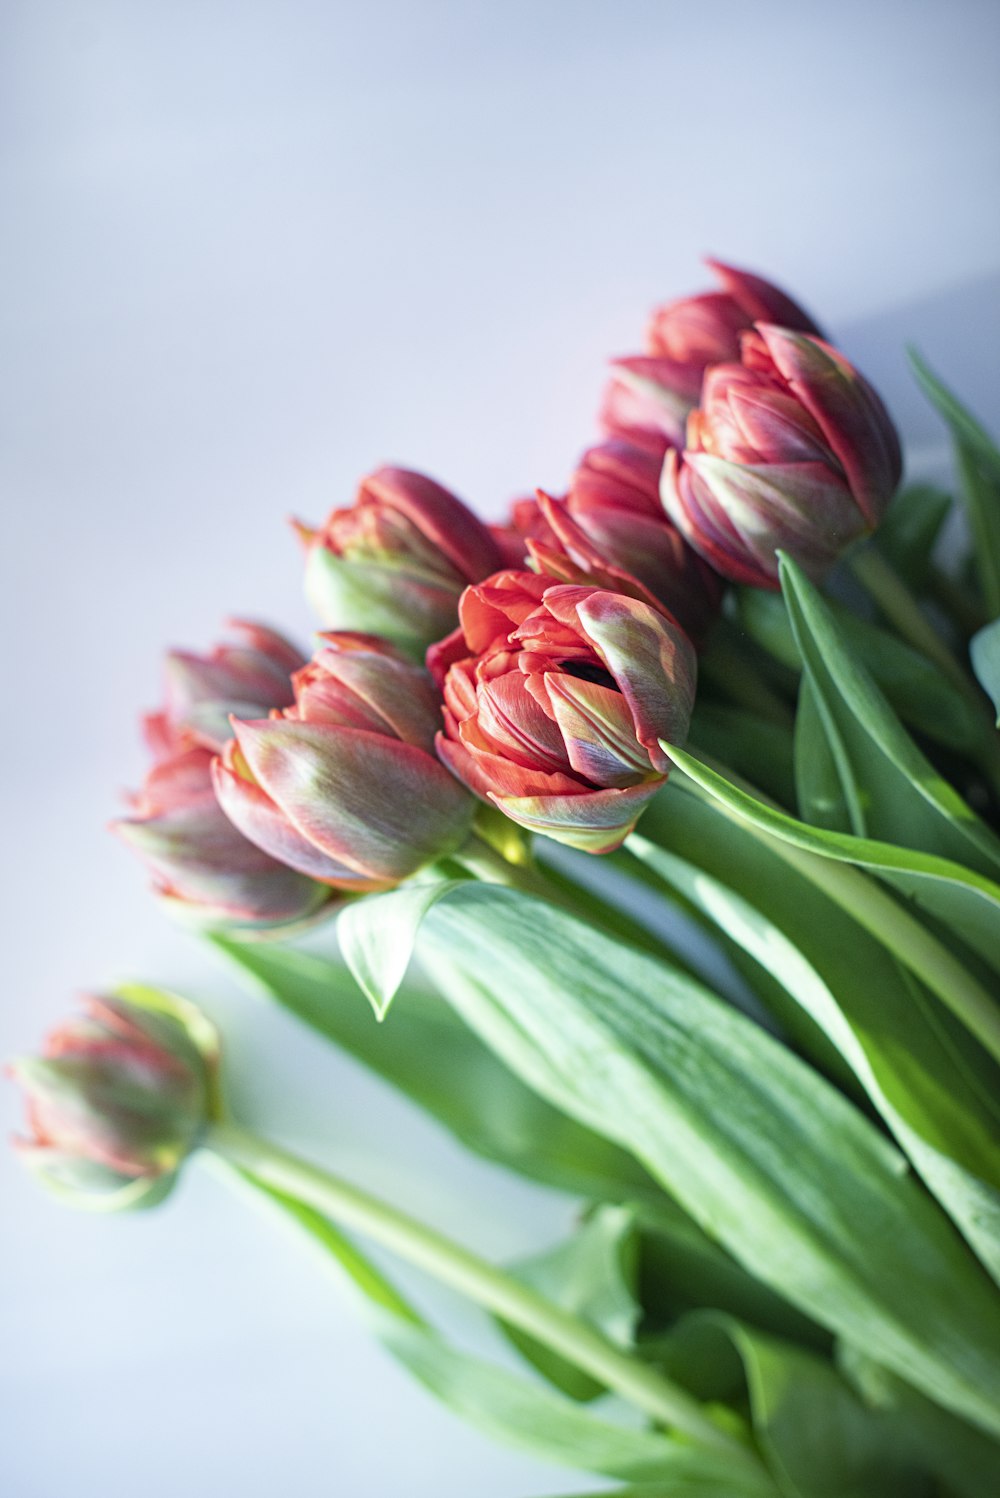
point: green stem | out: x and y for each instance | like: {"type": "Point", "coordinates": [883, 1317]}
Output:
{"type": "Point", "coordinates": [562, 890]}
{"type": "Point", "coordinates": [889, 592]}
{"type": "Point", "coordinates": [473, 1277]}
{"type": "Point", "coordinates": [878, 912]}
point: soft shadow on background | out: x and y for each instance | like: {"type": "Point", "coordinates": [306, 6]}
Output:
{"type": "Point", "coordinates": [249, 251]}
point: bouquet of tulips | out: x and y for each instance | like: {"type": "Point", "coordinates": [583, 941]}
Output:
{"type": "Point", "coordinates": [649, 841]}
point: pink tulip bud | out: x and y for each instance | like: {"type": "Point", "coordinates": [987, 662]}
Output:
{"type": "Point", "coordinates": [610, 530]}
{"type": "Point", "coordinates": [119, 1098]}
{"type": "Point", "coordinates": [344, 786]}
{"type": "Point", "coordinates": [395, 562]}
{"type": "Point", "coordinates": [556, 698]}
{"type": "Point", "coordinates": [202, 867]}
{"type": "Point", "coordinates": [202, 690]}
{"type": "Point", "coordinates": [791, 448]}
{"type": "Point", "coordinates": [648, 397]}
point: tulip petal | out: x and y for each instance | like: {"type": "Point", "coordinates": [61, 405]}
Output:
{"type": "Point", "coordinates": [761, 300]}
{"type": "Point", "coordinates": [594, 821]}
{"type": "Point", "coordinates": [652, 661]}
{"type": "Point", "coordinates": [405, 608]}
{"type": "Point", "coordinates": [261, 822]}
{"type": "Point", "coordinates": [439, 515]}
{"type": "Point", "coordinates": [598, 731]}
{"type": "Point", "coordinates": [848, 411]}
{"type": "Point", "coordinates": [384, 807]}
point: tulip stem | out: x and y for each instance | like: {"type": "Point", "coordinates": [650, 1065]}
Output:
{"type": "Point", "coordinates": [561, 889]}
{"type": "Point", "coordinates": [875, 910]}
{"type": "Point", "coordinates": [889, 593]}
{"type": "Point", "coordinates": [583, 1345]}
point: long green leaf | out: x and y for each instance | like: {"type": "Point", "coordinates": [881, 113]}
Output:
{"type": "Point", "coordinates": [913, 686]}
{"type": "Point", "coordinates": [882, 1025]}
{"type": "Point", "coordinates": [894, 793]}
{"type": "Point", "coordinates": [984, 650]}
{"type": "Point", "coordinates": [770, 1159]}
{"type": "Point", "coordinates": [434, 1059]}
{"type": "Point", "coordinates": [966, 903]}
{"type": "Point", "coordinates": [979, 463]}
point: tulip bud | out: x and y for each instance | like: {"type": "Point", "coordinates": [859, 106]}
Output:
{"type": "Point", "coordinates": [791, 448]}
{"type": "Point", "coordinates": [648, 397]}
{"type": "Point", "coordinates": [202, 867]}
{"type": "Point", "coordinates": [251, 676]}
{"type": "Point", "coordinates": [395, 563]}
{"type": "Point", "coordinates": [344, 786]}
{"type": "Point", "coordinates": [119, 1098]}
{"type": "Point", "coordinates": [610, 530]}
{"type": "Point", "coordinates": [556, 698]}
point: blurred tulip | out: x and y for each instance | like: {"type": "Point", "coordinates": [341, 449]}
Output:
{"type": "Point", "coordinates": [119, 1098]}
{"type": "Point", "coordinates": [250, 676]}
{"type": "Point", "coordinates": [649, 396]}
{"type": "Point", "coordinates": [556, 698]}
{"type": "Point", "coordinates": [344, 786]}
{"type": "Point", "coordinates": [395, 563]}
{"type": "Point", "coordinates": [610, 530]}
{"type": "Point", "coordinates": [202, 867]}
{"type": "Point", "coordinates": [791, 448]}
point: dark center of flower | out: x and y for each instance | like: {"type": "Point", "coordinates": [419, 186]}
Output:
{"type": "Point", "coordinates": [590, 671]}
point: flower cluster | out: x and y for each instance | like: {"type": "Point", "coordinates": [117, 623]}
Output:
{"type": "Point", "coordinates": [561, 646]}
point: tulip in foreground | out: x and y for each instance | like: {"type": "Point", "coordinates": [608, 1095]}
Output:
{"type": "Point", "coordinates": [556, 698]}
{"type": "Point", "coordinates": [344, 786]}
{"type": "Point", "coordinates": [790, 448]}
{"type": "Point", "coordinates": [119, 1098]}
{"type": "Point", "coordinates": [648, 397]}
{"type": "Point", "coordinates": [395, 562]}
{"type": "Point", "coordinates": [202, 867]}
{"type": "Point", "coordinates": [610, 530]}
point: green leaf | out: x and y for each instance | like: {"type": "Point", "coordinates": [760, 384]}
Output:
{"type": "Point", "coordinates": [984, 650]}
{"type": "Point", "coordinates": [913, 685]}
{"type": "Point", "coordinates": [882, 1024]}
{"type": "Point", "coordinates": [893, 792]}
{"type": "Point", "coordinates": [979, 463]}
{"type": "Point", "coordinates": [710, 1103]}
{"type": "Point", "coordinates": [377, 937]}
{"type": "Point", "coordinates": [593, 1275]}
{"type": "Point", "coordinates": [825, 789]}
{"type": "Point", "coordinates": [757, 747]}
{"type": "Point", "coordinates": [429, 1055]}
{"type": "Point", "coordinates": [908, 533]}
{"type": "Point", "coordinates": [966, 903]}
{"type": "Point", "coordinates": [682, 1269]}
{"type": "Point", "coordinates": [503, 1404]}
{"type": "Point", "coordinates": [818, 1438]}
{"type": "Point", "coordinates": [964, 1460]}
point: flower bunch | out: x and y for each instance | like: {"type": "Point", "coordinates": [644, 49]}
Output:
{"type": "Point", "coordinates": [756, 1029]}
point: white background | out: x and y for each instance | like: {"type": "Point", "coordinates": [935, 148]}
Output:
{"type": "Point", "coordinates": [249, 251]}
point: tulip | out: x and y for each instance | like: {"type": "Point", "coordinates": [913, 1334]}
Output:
{"type": "Point", "coordinates": [119, 1098]}
{"type": "Point", "coordinates": [556, 699]}
{"type": "Point", "coordinates": [202, 867]}
{"type": "Point", "coordinates": [649, 396]}
{"type": "Point", "coordinates": [395, 563]}
{"type": "Point", "coordinates": [344, 786]}
{"type": "Point", "coordinates": [610, 530]}
{"type": "Point", "coordinates": [790, 448]}
{"type": "Point", "coordinates": [202, 690]}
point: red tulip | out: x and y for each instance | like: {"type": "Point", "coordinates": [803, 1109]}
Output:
{"type": "Point", "coordinates": [648, 397]}
{"type": "Point", "coordinates": [395, 562]}
{"type": "Point", "coordinates": [201, 865]}
{"type": "Point", "coordinates": [556, 698]}
{"type": "Point", "coordinates": [791, 448]}
{"type": "Point", "coordinates": [119, 1098]}
{"type": "Point", "coordinates": [344, 786]}
{"type": "Point", "coordinates": [610, 530]}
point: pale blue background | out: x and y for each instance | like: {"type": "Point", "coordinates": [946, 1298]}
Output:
{"type": "Point", "coordinates": [248, 251]}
